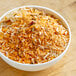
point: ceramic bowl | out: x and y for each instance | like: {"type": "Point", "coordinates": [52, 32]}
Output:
{"type": "Point", "coordinates": [42, 66]}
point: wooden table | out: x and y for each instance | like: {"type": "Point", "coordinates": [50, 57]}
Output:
{"type": "Point", "coordinates": [67, 65]}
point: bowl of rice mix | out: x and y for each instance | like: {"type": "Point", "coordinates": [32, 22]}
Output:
{"type": "Point", "coordinates": [33, 38]}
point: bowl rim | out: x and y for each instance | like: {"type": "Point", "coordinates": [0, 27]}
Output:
{"type": "Point", "coordinates": [36, 6]}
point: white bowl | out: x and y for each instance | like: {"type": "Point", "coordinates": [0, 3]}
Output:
{"type": "Point", "coordinates": [38, 67]}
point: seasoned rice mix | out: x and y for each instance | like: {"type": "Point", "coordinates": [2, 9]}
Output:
{"type": "Point", "coordinates": [30, 36]}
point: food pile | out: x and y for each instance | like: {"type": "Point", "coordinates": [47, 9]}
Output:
{"type": "Point", "coordinates": [30, 36]}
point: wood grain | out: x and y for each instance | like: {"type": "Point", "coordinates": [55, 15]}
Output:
{"type": "Point", "coordinates": [67, 65]}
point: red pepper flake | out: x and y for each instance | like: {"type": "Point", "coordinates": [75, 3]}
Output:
{"type": "Point", "coordinates": [31, 23]}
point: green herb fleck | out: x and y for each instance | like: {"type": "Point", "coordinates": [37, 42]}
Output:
{"type": "Point", "coordinates": [33, 29]}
